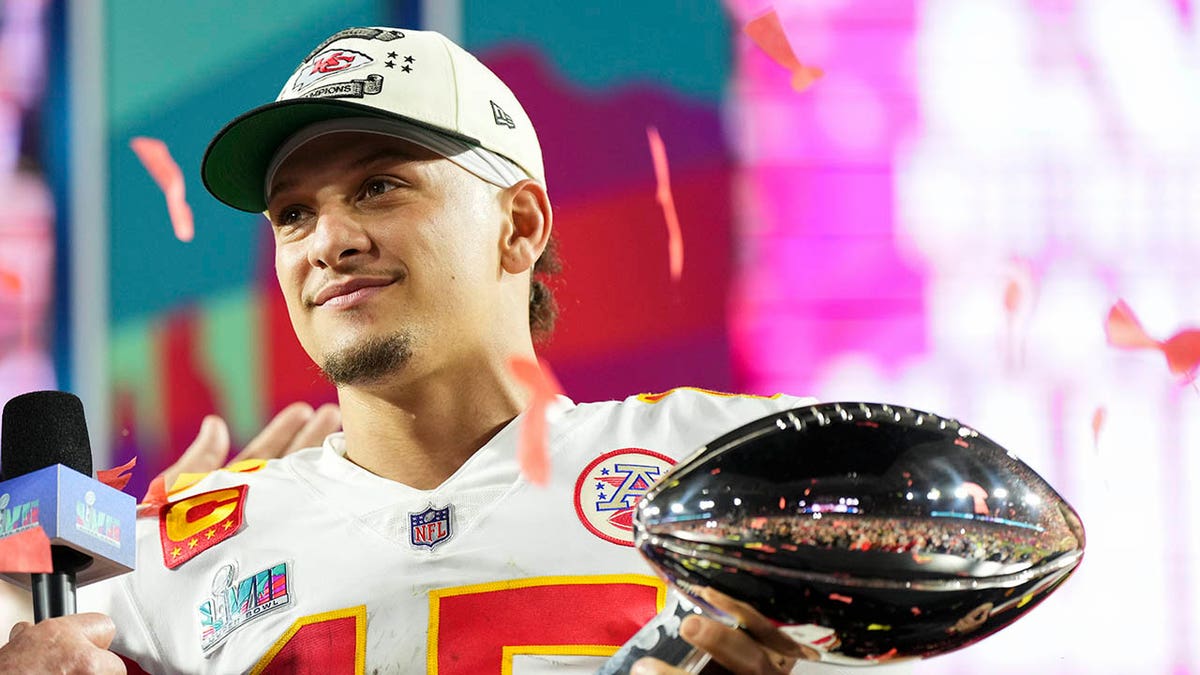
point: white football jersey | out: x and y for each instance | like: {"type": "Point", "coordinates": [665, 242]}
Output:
{"type": "Point", "coordinates": [311, 564]}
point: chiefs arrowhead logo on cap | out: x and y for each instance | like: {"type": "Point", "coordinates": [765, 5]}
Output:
{"type": "Point", "coordinates": [191, 526]}
{"type": "Point", "coordinates": [329, 62]}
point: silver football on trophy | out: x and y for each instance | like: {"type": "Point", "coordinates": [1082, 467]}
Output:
{"type": "Point", "coordinates": [879, 533]}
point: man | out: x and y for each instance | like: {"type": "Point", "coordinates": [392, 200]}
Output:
{"type": "Point", "coordinates": [405, 188]}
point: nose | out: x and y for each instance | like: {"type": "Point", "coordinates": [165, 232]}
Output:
{"type": "Point", "coordinates": [337, 239]}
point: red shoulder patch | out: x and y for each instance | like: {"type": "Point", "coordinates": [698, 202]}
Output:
{"type": "Point", "coordinates": [193, 525]}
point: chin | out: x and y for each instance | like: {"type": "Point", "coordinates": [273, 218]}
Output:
{"type": "Point", "coordinates": [368, 360]}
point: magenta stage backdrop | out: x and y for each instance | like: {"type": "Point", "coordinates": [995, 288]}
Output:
{"type": "Point", "coordinates": [945, 220]}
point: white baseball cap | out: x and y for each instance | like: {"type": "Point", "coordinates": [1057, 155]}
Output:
{"type": "Point", "coordinates": [416, 85]}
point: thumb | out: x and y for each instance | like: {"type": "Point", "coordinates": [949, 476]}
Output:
{"type": "Point", "coordinates": [97, 628]}
{"type": "Point", "coordinates": [17, 629]}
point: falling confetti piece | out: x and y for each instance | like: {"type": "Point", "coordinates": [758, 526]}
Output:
{"type": "Point", "coordinates": [532, 453]}
{"type": "Point", "coordinates": [1181, 350]}
{"type": "Point", "coordinates": [1123, 329]}
{"type": "Point", "coordinates": [884, 656]}
{"type": "Point", "coordinates": [156, 493]}
{"type": "Point", "coordinates": [1098, 418]}
{"type": "Point", "coordinates": [155, 156]}
{"type": "Point", "coordinates": [767, 32]}
{"type": "Point", "coordinates": [662, 174]}
{"type": "Point", "coordinates": [10, 281]}
{"type": "Point", "coordinates": [782, 503]}
{"type": "Point", "coordinates": [1018, 299]}
{"type": "Point", "coordinates": [27, 551]}
{"type": "Point", "coordinates": [117, 478]}
{"type": "Point", "coordinates": [841, 598]}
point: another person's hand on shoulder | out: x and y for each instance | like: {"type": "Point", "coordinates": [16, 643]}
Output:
{"type": "Point", "coordinates": [72, 645]}
{"type": "Point", "coordinates": [757, 648]}
{"type": "Point", "coordinates": [297, 426]}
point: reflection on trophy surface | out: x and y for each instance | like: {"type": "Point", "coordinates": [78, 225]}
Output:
{"type": "Point", "coordinates": [876, 532]}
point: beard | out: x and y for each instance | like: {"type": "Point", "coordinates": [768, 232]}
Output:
{"type": "Point", "coordinates": [369, 361]}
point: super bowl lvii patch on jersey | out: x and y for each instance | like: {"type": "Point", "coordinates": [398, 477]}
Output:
{"type": "Point", "coordinates": [234, 601]}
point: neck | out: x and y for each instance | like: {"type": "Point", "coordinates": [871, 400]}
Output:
{"type": "Point", "coordinates": [419, 429]}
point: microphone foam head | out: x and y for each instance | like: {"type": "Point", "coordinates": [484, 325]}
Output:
{"type": "Point", "coordinates": [43, 428]}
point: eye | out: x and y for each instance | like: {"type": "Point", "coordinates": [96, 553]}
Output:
{"type": "Point", "coordinates": [289, 215]}
{"type": "Point", "coordinates": [373, 187]}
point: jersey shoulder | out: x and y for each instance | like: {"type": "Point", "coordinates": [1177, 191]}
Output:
{"type": "Point", "coordinates": [674, 422]}
{"type": "Point", "coordinates": [693, 406]}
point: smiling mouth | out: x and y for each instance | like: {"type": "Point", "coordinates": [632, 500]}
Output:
{"type": "Point", "coordinates": [350, 293]}
{"type": "Point", "coordinates": [352, 298]}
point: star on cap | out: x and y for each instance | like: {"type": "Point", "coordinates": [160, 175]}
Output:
{"type": "Point", "coordinates": [407, 69]}
{"type": "Point", "coordinates": [408, 59]}
{"type": "Point", "coordinates": [390, 64]}
{"type": "Point", "coordinates": [391, 55]}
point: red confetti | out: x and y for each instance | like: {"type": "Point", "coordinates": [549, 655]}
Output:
{"type": "Point", "coordinates": [156, 493]}
{"type": "Point", "coordinates": [155, 156]}
{"type": "Point", "coordinates": [1098, 419]}
{"type": "Point", "coordinates": [10, 281]}
{"type": "Point", "coordinates": [1018, 294]}
{"type": "Point", "coordinates": [782, 503]}
{"type": "Point", "coordinates": [884, 656]}
{"type": "Point", "coordinates": [26, 551]}
{"type": "Point", "coordinates": [1123, 329]}
{"type": "Point", "coordinates": [916, 611]}
{"type": "Point", "coordinates": [841, 598]}
{"type": "Point", "coordinates": [768, 34]}
{"type": "Point", "coordinates": [1181, 350]}
{"type": "Point", "coordinates": [532, 453]}
{"type": "Point", "coordinates": [662, 175]}
{"type": "Point", "coordinates": [117, 478]}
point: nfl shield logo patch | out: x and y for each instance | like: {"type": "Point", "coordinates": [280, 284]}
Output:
{"type": "Point", "coordinates": [429, 527]}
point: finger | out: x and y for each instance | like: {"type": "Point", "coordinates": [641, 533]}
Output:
{"type": "Point", "coordinates": [206, 453]}
{"type": "Point", "coordinates": [17, 629]}
{"type": "Point", "coordinates": [326, 420]}
{"type": "Point", "coordinates": [275, 438]}
{"type": "Point", "coordinates": [110, 664]}
{"type": "Point", "coordinates": [735, 649]}
{"type": "Point", "coordinates": [758, 625]}
{"type": "Point", "coordinates": [649, 666]}
{"type": "Point", "coordinates": [97, 628]}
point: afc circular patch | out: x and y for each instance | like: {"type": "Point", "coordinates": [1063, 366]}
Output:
{"type": "Point", "coordinates": [611, 485]}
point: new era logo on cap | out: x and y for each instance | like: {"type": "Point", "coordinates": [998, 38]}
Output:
{"type": "Point", "coordinates": [502, 117]}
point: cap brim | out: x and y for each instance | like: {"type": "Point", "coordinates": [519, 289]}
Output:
{"type": "Point", "coordinates": [236, 161]}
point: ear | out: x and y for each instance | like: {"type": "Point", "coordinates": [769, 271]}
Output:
{"type": "Point", "coordinates": [529, 212]}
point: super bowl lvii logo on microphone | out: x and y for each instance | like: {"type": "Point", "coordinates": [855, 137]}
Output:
{"type": "Point", "coordinates": [91, 520]}
{"type": "Point", "coordinates": [20, 517]}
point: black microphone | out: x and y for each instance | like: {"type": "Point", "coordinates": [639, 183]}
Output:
{"type": "Point", "coordinates": [46, 469]}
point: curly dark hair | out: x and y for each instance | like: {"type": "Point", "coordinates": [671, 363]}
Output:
{"type": "Point", "coordinates": [542, 309]}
